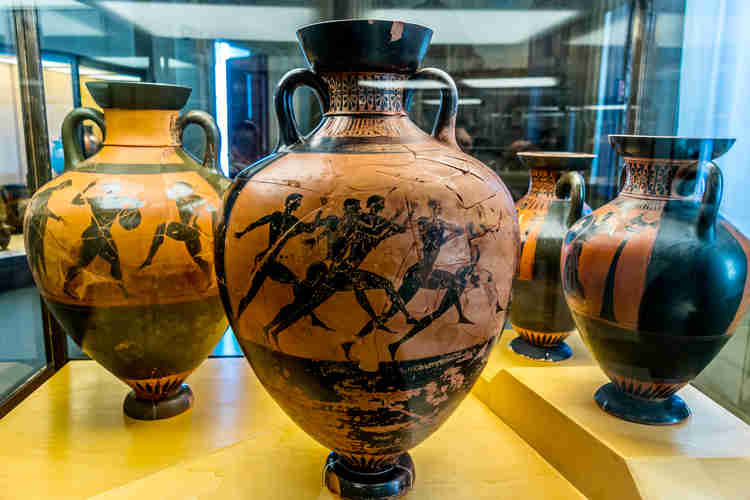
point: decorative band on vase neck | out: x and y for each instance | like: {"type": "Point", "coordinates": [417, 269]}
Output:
{"type": "Point", "coordinates": [366, 92]}
{"type": "Point", "coordinates": [655, 177]}
{"type": "Point", "coordinates": [542, 182]}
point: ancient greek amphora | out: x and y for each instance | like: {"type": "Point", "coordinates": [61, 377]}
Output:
{"type": "Point", "coordinates": [556, 199]}
{"type": "Point", "coordinates": [121, 244]}
{"type": "Point", "coordinates": [656, 279]}
{"type": "Point", "coordinates": [366, 269]}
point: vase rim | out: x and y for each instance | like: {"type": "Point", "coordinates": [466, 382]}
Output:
{"type": "Point", "coordinates": [123, 94]}
{"type": "Point", "coordinates": [556, 160]}
{"type": "Point", "coordinates": [364, 45]}
{"type": "Point", "coordinates": [670, 147]}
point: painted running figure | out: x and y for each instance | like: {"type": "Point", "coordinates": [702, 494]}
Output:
{"type": "Point", "coordinates": [279, 224]}
{"type": "Point", "coordinates": [97, 241]}
{"type": "Point", "coordinates": [454, 284]}
{"type": "Point", "coordinates": [354, 238]}
{"type": "Point", "coordinates": [434, 232]}
{"type": "Point", "coordinates": [190, 206]}
{"type": "Point", "coordinates": [38, 225]}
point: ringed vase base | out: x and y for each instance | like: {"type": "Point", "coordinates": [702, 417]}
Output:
{"type": "Point", "coordinates": [671, 410]}
{"type": "Point", "coordinates": [552, 354]}
{"type": "Point", "coordinates": [156, 409]}
{"type": "Point", "coordinates": [392, 482]}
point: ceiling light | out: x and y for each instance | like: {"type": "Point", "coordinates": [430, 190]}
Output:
{"type": "Point", "coordinates": [468, 101]}
{"type": "Point", "coordinates": [505, 83]}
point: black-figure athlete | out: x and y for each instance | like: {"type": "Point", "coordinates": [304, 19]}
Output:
{"type": "Point", "coordinates": [455, 286]}
{"type": "Point", "coordinates": [279, 224]}
{"type": "Point", "coordinates": [434, 232]}
{"type": "Point", "coordinates": [189, 206]}
{"type": "Point", "coordinates": [97, 239]}
{"type": "Point", "coordinates": [38, 225]}
{"type": "Point", "coordinates": [353, 240]}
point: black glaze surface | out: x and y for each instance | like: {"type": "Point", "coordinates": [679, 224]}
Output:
{"type": "Point", "coordinates": [143, 342]}
{"type": "Point", "coordinates": [553, 354]}
{"type": "Point", "coordinates": [393, 482]}
{"type": "Point", "coordinates": [138, 95]}
{"type": "Point", "coordinates": [364, 45]}
{"type": "Point", "coordinates": [671, 148]}
{"type": "Point", "coordinates": [148, 409]}
{"type": "Point", "coordinates": [671, 410]}
{"type": "Point", "coordinates": [424, 395]}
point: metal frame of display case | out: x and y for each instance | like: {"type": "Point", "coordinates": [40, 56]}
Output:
{"type": "Point", "coordinates": [33, 108]}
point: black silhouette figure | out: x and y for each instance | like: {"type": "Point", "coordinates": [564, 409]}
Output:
{"type": "Point", "coordinates": [608, 300]}
{"type": "Point", "coordinates": [38, 225]}
{"type": "Point", "coordinates": [97, 239]}
{"type": "Point", "coordinates": [280, 224]}
{"type": "Point", "coordinates": [350, 240]}
{"type": "Point", "coordinates": [455, 284]}
{"type": "Point", "coordinates": [189, 206]}
{"type": "Point", "coordinates": [434, 232]}
{"type": "Point", "coordinates": [578, 238]}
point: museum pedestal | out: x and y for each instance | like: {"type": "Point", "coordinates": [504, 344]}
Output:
{"type": "Point", "coordinates": [70, 440]}
{"type": "Point", "coordinates": [552, 408]}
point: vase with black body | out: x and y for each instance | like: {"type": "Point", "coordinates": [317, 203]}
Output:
{"type": "Point", "coordinates": [366, 269]}
{"type": "Point", "coordinates": [656, 279]}
{"type": "Point", "coordinates": [121, 244]}
{"type": "Point", "coordinates": [556, 200]}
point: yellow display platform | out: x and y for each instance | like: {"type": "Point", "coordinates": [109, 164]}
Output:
{"type": "Point", "coordinates": [705, 457]}
{"type": "Point", "coordinates": [69, 439]}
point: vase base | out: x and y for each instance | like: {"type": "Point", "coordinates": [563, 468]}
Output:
{"type": "Point", "coordinates": [672, 410]}
{"type": "Point", "coordinates": [552, 354]}
{"type": "Point", "coordinates": [391, 483]}
{"type": "Point", "coordinates": [148, 409]}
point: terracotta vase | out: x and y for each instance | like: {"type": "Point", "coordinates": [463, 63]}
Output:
{"type": "Point", "coordinates": [120, 244]}
{"type": "Point", "coordinates": [366, 269]}
{"type": "Point", "coordinates": [539, 313]}
{"type": "Point", "coordinates": [656, 279]}
{"type": "Point", "coordinates": [16, 197]}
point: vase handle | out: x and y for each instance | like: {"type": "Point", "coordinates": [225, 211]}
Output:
{"type": "Point", "coordinates": [577, 186]}
{"type": "Point", "coordinates": [288, 132]}
{"type": "Point", "coordinates": [445, 123]}
{"type": "Point", "coordinates": [709, 210]}
{"type": "Point", "coordinates": [213, 139]}
{"type": "Point", "coordinates": [71, 148]}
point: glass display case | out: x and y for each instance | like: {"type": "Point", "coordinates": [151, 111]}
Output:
{"type": "Point", "coordinates": [550, 94]}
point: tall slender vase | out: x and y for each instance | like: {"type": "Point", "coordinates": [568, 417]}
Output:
{"type": "Point", "coordinates": [366, 269]}
{"type": "Point", "coordinates": [656, 279]}
{"type": "Point", "coordinates": [539, 313]}
{"type": "Point", "coordinates": [120, 244]}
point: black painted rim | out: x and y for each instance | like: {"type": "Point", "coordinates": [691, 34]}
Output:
{"type": "Point", "coordinates": [670, 147]}
{"type": "Point", "coordinates": [349, 45]}
{"type": "Point", "coordinates": [556, 160]}
{"type": "Point", "coordinates": [139, 95]}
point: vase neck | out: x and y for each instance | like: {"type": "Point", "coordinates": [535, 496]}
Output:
{"type": "Point", "coordinates": [141, 127]}
{"type": "Point", "coordinates": [653, 178]}
{"type": "Point", "coordinates": [542, 182]}
{"type": "Point", "coordinates": [365, 93]}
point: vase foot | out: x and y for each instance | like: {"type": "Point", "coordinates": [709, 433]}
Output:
{"type": "Point", "coordinates": [149, 409]}
{"type": "Point", "coordinates": [393, 482]}
{"type": "Point", "coordinates": [672, 410]}
{"type": "Point", "coordinates": [553, 354]}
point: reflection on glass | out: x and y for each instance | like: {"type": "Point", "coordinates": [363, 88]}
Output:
{"type": "Point", "coordinates": [22, 352]}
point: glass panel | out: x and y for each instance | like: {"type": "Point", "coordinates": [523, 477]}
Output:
{"type": "Point", "coordinates": [22, 351]}
{"type": "Point", "coordinates": [555, 75]}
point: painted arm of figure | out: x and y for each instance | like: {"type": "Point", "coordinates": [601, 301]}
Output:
{"type": "Point", "coordinates": [155, 244]}
{"type": "Point", "coordinates": [455, 230]}
{"type": "Point", "coordinates": [308, 227]}
{"type": "Point", "coordinates": [79, 200]}
{"type": "Point", "coordinates": [266, 219]}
